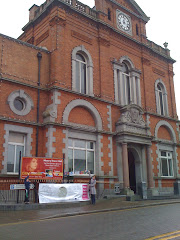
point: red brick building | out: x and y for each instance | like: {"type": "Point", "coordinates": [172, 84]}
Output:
{"type": "Point", "coordinates": [87, 83]}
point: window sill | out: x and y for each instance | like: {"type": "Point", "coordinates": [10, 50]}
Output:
{"type": "Point", "coordinates": [9, 175]}
{"type": "Point", "coordinates": [164, 177]}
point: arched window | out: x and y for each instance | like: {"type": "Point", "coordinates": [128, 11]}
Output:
{"type": "Point", "coordinates": [109, 14]}
{"type": "Point", "coordinates": [161, 98]}
{"type": "Point", "coordinates": [126, 82]}
{"type": "Point", "coordinates": [82, 71]}
{"type": "Point", "coordinates": [166, 150]}
{"type": "Point", "coordinates": [137, 30]}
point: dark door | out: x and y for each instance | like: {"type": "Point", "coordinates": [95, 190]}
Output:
{"type": "Point", "coordinates": [132, 173]}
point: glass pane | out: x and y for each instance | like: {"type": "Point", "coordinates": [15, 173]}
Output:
{"type": "Point", "coordinates": [83, 78]}
{"type": "Point", "coordinates": [128, 89]}
{"type": "Point", "coordinates": [163, 153]}
{"type": "Point", "coordinates": [161, 103]}
{"type": "Point", "coordinates": [159, 87]}
{"type": "Point", "coordinates": [164, 167]}
{"type": "Point", "coordinates": [18, 104]}
{"type": "Point", "coordinates": [79, 161]}
{"type": "Point", "coordinates": [124, 68]}
{"type": "Point", "coordinates": [18, 150]}
{"type": "Point", "coordinates": [79, 143]}
{"type": "Point", "coordinates": [90, 145]}
{"type": "Point", "coordinates": [70, 160]}
{"type": "Point", "coordinates": [170, 167]}
{"type": "Point", "coordinates": [78, 76]}
{"type": "Point", "coordinates": [90, 161]}
{"type": "Point", "coordinates": [80, 57]}
{"type": "Point", "coordinates": [10, 160]}
{"type": "Point", "coordinates": [16, 137]}
{"type": "Point", "coordinates": [70, 142]}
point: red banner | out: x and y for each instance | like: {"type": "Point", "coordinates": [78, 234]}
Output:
{"type": "Point", "coordinates": [41, 168]}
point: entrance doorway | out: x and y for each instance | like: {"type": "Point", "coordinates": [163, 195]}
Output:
{"type": "Point", "coordinates": [132, 172]}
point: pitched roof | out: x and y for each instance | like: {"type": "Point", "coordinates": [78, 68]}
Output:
{"type": "Point", "coordinates": [137, 7]}
{"type": "Point", "coordinates": [140, 14]}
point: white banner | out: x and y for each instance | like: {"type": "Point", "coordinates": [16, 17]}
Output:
{"type": "Point", "coordinates": [50, 192]}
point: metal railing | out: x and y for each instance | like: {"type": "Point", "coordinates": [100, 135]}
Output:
{"type": "Point", "coordinates": [74, 3]}
{"type": "Point", "coordinates": [10, 195]}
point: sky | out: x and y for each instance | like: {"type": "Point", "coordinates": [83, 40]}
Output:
{"type": "Point", "coordinates": [162, 26]}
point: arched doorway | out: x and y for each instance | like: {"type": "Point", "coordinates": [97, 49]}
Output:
{"type": "Point", "coordinates": [132, 171]}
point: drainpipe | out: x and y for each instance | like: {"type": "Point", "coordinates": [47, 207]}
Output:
{"type": "Point", "coordinates": [39, 56]}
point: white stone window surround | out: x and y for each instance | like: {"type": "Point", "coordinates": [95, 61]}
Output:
{"type": "Point", "coordinates": [82, 84]}
{"type": "Point", "coordinates": [164, 97]}
{"type": "Point", "coordinates": [26, 100]}
{"type": "Point", "coordinates": [167, 161]}
{"type": "Point", "coordinates": [120, 85]}
{"type": "Point", "coordinates": [89, 76]}
{"type": "Point", "coordinates": [15, 145]}
{"type": "Point", "coordinates": [87, 105]}
{"type": "Point", "coordinates": [165, 145]}
{"type": "Point", "coordinates": [82, 133]}
{"type": "Point", "coordinates": [84, 149]}
{"type": "Point", "coordinates": [14, 128]}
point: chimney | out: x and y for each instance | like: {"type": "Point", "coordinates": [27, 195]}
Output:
{"type": "Point", "coordinates": [32, 11]}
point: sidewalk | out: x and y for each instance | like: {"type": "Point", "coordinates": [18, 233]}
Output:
{"type": "Point", "coordinates": [56, 210]}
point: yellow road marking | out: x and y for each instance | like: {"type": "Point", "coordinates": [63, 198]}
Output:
{"type": "Point", "coordinates": [172, 237]}
{"type": "Point", "coordinates": [166, 235]}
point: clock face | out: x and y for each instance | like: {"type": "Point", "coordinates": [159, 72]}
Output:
{"type": "Point", "coordinates": [124, 22]}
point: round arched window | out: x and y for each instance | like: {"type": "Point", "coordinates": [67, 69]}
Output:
{"type": "Point", "coordinates": [81, 74]}
{"type": "Point", "coordinates": [20, 102]}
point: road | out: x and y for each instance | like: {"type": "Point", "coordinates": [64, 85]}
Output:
{"type": "Point", "coordinates": [132, 224]}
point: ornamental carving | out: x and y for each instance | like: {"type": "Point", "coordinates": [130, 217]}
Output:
{"type": "Point", "coordinates": [132, 114]}
{"type": "Point", "coordinates": [131, 122]}
{"type": "Point", "coordinates": [50, 113]}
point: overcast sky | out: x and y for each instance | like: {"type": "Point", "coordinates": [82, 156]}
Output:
{"type": "Point", "coordinates": [162, 27]}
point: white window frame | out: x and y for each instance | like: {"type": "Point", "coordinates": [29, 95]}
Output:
{"type": "Point", "coordinates": [164, 98]}
{"type": "Point", "coordinates": [120, 82]}
{"type": "Point", "coordinates": [161, 104]}
{"type": "Point", "coordinates": [16, 144]}
{"type": "Point", "coordinates": [82, 149]}
{"type": "Point", "coordinates": [81, 50]}
{"type": "Point", "coordinates": [167, 161]}
{"type": "Point", "coordinates": [80, 80]}
{"type": "Point", "coordinates": [28, 131]}
{"type": "Point", "coordinates": [126, 82]}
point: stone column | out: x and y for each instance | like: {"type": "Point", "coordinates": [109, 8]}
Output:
{"type": "Point", "coordinates": [149, 168]}
{"type": "Point", "coordinates": [125, 165]}
{"type": "Point", "coordinates": [116, 89]}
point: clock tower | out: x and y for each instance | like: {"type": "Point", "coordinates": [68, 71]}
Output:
{"type": "Point", "coordinates": [125, 16]}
